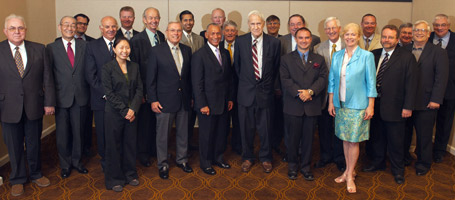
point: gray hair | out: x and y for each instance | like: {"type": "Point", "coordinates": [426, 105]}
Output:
{"type": "Point", "coordinates": [14, 16]}
{"type": "Point", "coordinates": [405, 25]}
{"type": "Point", "coordinates": [149, 8]}
{"type": "Point", "coordinates": [173, 22]}
{"type": "Point", "coordinates": [422, 22]}
{"type": "Point", "coordinates": [212, 24]}
{"type": "Point", "coordinates": [256, 13]}
{"type": "Point", "coordinates": [329, 19]}
{"type": "Point", "coordinates": [441, 16]}
{"type": "Point", "coordinates": [229, 23]}
{"type": "Point", "coordinates": [67, 16]}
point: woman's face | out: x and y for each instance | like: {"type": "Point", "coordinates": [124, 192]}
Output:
{"type": "Point", "coordinates": [122, 50]}
{"type": "Point", "coordinates": [351, 38]}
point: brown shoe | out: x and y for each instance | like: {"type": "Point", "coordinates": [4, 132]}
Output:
{"type": "Point", "coordinates": [17, 190]}
{"type": "Point", "coordinates": [246, 166]}
{"type": "Point", "coordinates": [42, 182]}
{"type": "Point", "coordinates": [267, 166]}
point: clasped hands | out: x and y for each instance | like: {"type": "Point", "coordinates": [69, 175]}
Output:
{"type": "Point", "coordinates": [130, 115]}
{"type": "Point", "coordinates": [304, 95]}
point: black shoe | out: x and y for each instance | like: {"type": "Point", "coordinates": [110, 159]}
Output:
{"type": "Point", "coordinates": [437, 158]}
{"type": "Point", "coordinates": [307, 175]}
{"type": "Point", "coordinates": [399, 179]}
{"type": "Point", "coordinates": [164, 172]}
{"type": "Point", "coordinates": [65, 173]}
{"type": "Point", "coordinates": [277, 150]}
{"type": "Point", "coordinates": [209, 171]}
{"type": "Point", "coordinates": [372, 168]}
{"type": "Point", "coordinates": [89, 153]}
{"type": "Point", "coordinates": [81, 170]}
{"type": "Point", "coordinates": [407, 162]}
{"type": "Point", "coordinates": [321, 164]}
{"type": "Point", "coordinates": [222, 165]}
{"type": "Point", "coordinates": [421, 172]}
{"type": "Point", "coordinates": [238, 151]}
{"type": "Point", "coordinates": [145, 163]}
{"type": "Point", "coordinates": [341, 166]}
{"type": "Point", "coordinates": [193, 147]}
{"type": "Point", "coordinates": [292, 175]}
{"type": "Point", "coordinates": [285, 158]}
{"type": "Point", "coordinates": [185, 167]}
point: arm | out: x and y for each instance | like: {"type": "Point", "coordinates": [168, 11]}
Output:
{"type": "Point", "coordinates": [319, 85]}
{"type": "Point", "coordinates": [48, 84]}
{"type": "Point", "coordinates": [198, 81]}
{"type": "Point", "coordinates": [410, 87]}
{"type": "Point", "coordinates": [111, 97]}
{"type": "Point", "coordinates": [441, 63]}
{"type": "Point", "coordinates": [287, 83]}
{"type": "Point", "coordinates": [91, 71]}
{"type": "Point", "coordinates": [137, 99]}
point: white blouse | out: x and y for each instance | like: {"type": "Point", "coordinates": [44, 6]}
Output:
{"type": "Point", "coordinates": [346, 60]}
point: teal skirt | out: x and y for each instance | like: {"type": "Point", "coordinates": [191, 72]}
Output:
{"type": "Point", "coordinates": [350, 126]}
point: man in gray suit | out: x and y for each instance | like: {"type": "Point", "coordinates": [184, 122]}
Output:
{"type": "Point", "coordinates": [331, 146]}
{"type": "Point", "coordinates": [72, 91]}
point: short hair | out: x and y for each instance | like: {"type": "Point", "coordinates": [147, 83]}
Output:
{"type": "Point", "coordinates": [272, 18]}
{"type": "Point", "coordinates": [405, 25]}
{"type": "Point", "coordinates": [302, 29]}
{"type": "Point", "coordinates": [185, 12]}
{"type": "Point", "coordinates": [212, 24]}
{"type": "Point", "coordinates": [353, 26]}
{"type": "Point", "coordinates": [173, 22]}
{"type": "Point", "coordinates": [329, 19]}
{"type": "Point", "coordinates": [126, 8]}
{"type": "Point", "coordinates": [368, 15]}
{"type": "Point", "coordinates": [83, 16]}
{"type": "Point", "coordinates": [418, 22]}
{"type": "Point", "coordinates": [150, 8]}
{"type": "Point", "coordinates": [118, 39]}
{"type": "Point", "coordinates": [67, 16]}
{"type": "Point", "coordinates": [219, 10]}
{"type": "Point", "coordinates": [441, 16]}
{"type": "Point", "coordinates": [229, 23]}
{"type": "Point", "coordinates": [296, 15]}
{"type": "Point", "coordinates": [14, 16]}
{"type": "Point", "coordinates": [393, 28]}
{"type": "Point", "coordinates": [256, 13]}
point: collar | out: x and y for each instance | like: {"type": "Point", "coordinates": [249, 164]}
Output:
{"type": "Point", "coordinates": [186, 34]}
{"type": "Point", "coordinates": [149, 32]}
{"type": "Point", "coordinates": [389, 52]}
{"type": "Point", "coordinates": [371, 37]}
{"type": "Point", "coordinates": [213, 47]}
{"type": "Point", "coordinates": [65, 42]}
{"type": "Point", "coordinates": [304, 54]}
{"type": "Point", "coordinates": [445, 37]}
{"type": "Point", "coordinates": [338, 43]}
{"type": "Point", "coordinates": [259, 39]}
{"type": "Point", "coordinates": [124, 30]}
{"type": "Point", "coordinates": [12, 46]}
{"type": "Point", "coordinates": [172, 45]}
{"type": "Point", "coordinates": [107, 41]}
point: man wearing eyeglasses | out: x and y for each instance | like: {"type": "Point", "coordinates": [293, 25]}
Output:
{"type": "Point", "coordinates": [444, 38]}
{"type": "Point", "coordinates": [370, 39]}
{"type": "Point", "coordinates": [82, 21]}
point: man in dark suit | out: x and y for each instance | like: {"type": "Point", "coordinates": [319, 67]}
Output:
{"type": "Point", "coordinates": [211, 75]}
{"type": "Point", "coordinates": [169, 92]}
{"type": "Point", "coordinates": [67, 58]}
{"type": "Point", "coordinates": [26, 93]}
{"type": "Point", "coordinates": [141, 45]}
{"type": "Point", "coordinates": [444, 38]}
{"type": "Point", "coordinates": [256, 61]}
{"type": "Point", "coordinates": [126, 16]}
{"type": "Point", "coordinates": [396, 86]}
{"type": "Point", "coordinates": [288, 43]}
{"type": "Point", "coordinates": [405, 34]}
{"type": "Point", "coordinates": [273, 26]}
{"type": "Point", "coordinates": [432, 73]}
{"type": "Point", "coordinates": [218, 17]}
{"type": "Point", "coordinates": [98, 53]}
{"type": "Point", "coordinates": [304, 81]}
{"type": "Point", "coordinates": [82, 21]}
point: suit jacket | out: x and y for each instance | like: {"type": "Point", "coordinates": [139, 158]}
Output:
{"type": "Point", "coordinates": [120, 33]}
{"type": "Point", "coordinates": [433, 73]}
{"type": "Point", "coordinates": [399, 83]}
{"type": "Point", "coordinates": [374, 44]}
{"type": "Point", "coordinates": [97, 54]}
{"type": "Point", "coordinates": [122, 94]}
{"type": "Point", "coordinates": [212, 82]}
{"type": "Point", "coordinates": [249, 89]}
{"type": "Point", "coordinates": [32, 92]}
{"type": "Point", "coordinates": [70, 84]}
{"type": "Point", "coordinates": [360, 79]}
{"type": "Point", "coordinates": [198, 42]}
{"type": "Point", "coordinates": [87, 38]}
{"type": "Point", "coordinates": [450, 49]}
{"type": "Point", "coordinates": [164, 84]}
{"type": "Point", "coordinates": [296, 76]}
{"type": "Point", "coordinates": [286, 43]}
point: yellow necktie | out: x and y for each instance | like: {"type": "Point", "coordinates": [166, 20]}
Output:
{"type": "Point", "coordinates": [230, 51]}
{"type": "Point", "coordinates": [334, 46]}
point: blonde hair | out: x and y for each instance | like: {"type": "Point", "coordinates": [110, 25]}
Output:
{"type": "Point", "coordinates": [352, 26]}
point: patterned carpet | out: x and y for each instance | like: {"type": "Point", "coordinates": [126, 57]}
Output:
{"type": "Point", "coordinates": [439, 183]}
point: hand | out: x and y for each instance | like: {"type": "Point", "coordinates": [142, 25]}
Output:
{"type": "Point", "coordinates": [304, 95]}
{"type": "Point", "coordinates": [277, 92]}
{"type": "Point", "coordinates": [230, 105]}
{"type": "Point", "coordinates": [369, 112]}
{"type": "Point", "coordinates": [433, 105]}
{"type": "Point", "coordinates": [406, 113]}
{"type": "Point", "coordinates": [132, 119]}
{"type": "Point", "coordinates": [331, 109]}
{"type": "Point", "coordinates": [205, 110]}
{"type": "Point", "coordinates": [192, 103]}
{"type": "Point", "coordinates": [130, 114]}
{"type": "Point", "coordinates": [49, 110]}
{"type": "Point", "coordinates": [143, 100]}
{"type": "Point", "coordinates": [156, 107]}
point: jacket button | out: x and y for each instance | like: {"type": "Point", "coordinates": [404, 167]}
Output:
{"type": "Point", "coordinates": [180, 89]}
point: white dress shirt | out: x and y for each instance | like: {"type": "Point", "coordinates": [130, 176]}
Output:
{"type": "Point", "coordinates": [73, 45]}
{"type": "Point", "coordinates": [21, 50]}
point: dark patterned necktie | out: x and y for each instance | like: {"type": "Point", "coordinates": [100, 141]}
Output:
{"type": "Point", "coordinates": [381, 71]}
{"type": "Point", "coordinates": [255, 60]}
{"type": "Point", "coordinates": [19, 63]}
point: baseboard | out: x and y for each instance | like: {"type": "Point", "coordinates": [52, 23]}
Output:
{"type": "Point", "coordinates": [451, 149]}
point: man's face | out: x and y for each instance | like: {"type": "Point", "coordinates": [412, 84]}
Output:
{"type": "Point", "coordinates": [273, 27]}
{"type": "Point", "coordinates": [389, 39]}
{"type": "Point", "coordinates": [108, 28]}
{"type": "Point", "coordinates": [368, 25]}
{"type": "Point", "coordinates": [127, 19]}
{"type": "Point", "coordinates": [332, 30]}
{"type": "Point", "coordinates": [213, 35]}
{"type": "Point", "coordinates": [81, 25]}
{"type": "Point", "coordinates": [218, 17]}
{"type": "Point", "coordinates": [303, 39]}
{"type": "Point", "coordinates": [406, 35]}
{"type": "Point", "coordinates": [68, 28]}
{"type": "Point", "coordinates": [230, 32]}
{"type": "Point", "coordinates": [420, 33]}
{"type": "Point", "coordinates": [15, 31]}
{"type": "Point", "coordinates": [174, 33]}
{"type": "Point", "coordinates": [152, 19]}
{"type": "Point", "coordinates": [294, 24]}
{"type": "Point", "coordinates": [441, 27]}
{"type": "Point", "coordinates": [187, 23]}
{"type": "Point", "coordinates": [256, 25]}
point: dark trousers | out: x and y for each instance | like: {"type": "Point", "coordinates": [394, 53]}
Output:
{"type": "Point", "coordinates": [409, 130]}
{"type": "Point", "coordinates": [70, 126]}
{"type": "Point", "coordinates": [236, 139]}
{"type": "Point", "coordinates": [444, 122]}
{"type": "Point", "coordinates": [301, 132]}
{"type": "Point", "coordinates": [99, 128]}
{"type": "Point", "coordinates": [277, 122]}
{"type": "Point", "coordinates": [252, 119]}
{"type": "Point", "coordinates": [331, 147]}
{"type": "Point", "coordinates": [14, 136]}
{"type": "Point", "coordinates": [146, 137]}
{"type": "Point", "coordinates": [191, 121]}
{"type": "Point", "coordinates": [87, 132]}
{"type": "Point", "coordinates": [121, 136]}
{"type": "Point", "coordinates": [423, 121]}
{"type": "Point", "coordinates": [212, 138]}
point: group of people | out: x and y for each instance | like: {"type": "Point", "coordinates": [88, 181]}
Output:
{"type": "Point", "coordinates": [137, 85]}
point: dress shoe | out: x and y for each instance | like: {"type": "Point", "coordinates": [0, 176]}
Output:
{"type": "Point", "coordinates": [81, 170]}
{"type": "Point", "coordinates": [145, 163]}
{"type": "Point", "coordinates": [285, 158]}
{"type": "Point", "coordinates": [222, 165]}
{"type": "Point", "coordinates": [17, 190]}
{"type": "Point", "coordinates": [209, 171]}
{"type": "Point", "coordinates": [238, 151]}
{"type": "Point", "coordinates": [117, 188]}
{"type": "Point", "coordinates": [307, 175]}
{"type": "Point", "coordinates": [437, 158]}
{"type": "Point", "coordinates": [341, 166]}
{"type": "Point", "coordinates": [399, 179]}
{"type": "Point", "coordinates": [321, 164]}
{"type": "Point", "coordinates": [267, 166]}
{"type": "Point", "coordinates": [246, 166]}
{"type": "Point", "coordinates": [89, 153]}
{"type": "Point", "coordinates": [42, 182]}
{"type": "Point", "coordinates": [421, 172]}
{"type": "Point", "coordinates": [164, 172]}
{"type": "Point", "coordinates": [134, 182]}
{"type": "Point", "coordinates": [372, 168]}
{"type": "Point", "coordinates": [277, 150]}
{"type": "Point", "coordinates": [407, 162]}
{"type": "Point", "coordinates": [65, 173]}
{"type": "Point", "coordinates": [193, 147]}
{"type": "Point", "coordinates": [292, 175]}
{"type": "Point", "coordinates": [185, 167]}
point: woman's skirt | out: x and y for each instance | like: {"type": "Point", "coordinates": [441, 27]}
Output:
{"type": "Point", "coordinates": [350, 126]}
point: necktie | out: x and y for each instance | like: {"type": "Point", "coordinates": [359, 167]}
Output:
{"type": "Point", "coordinates": [157, 41]}
{"type": "Point", "coordinates": [111, 50]}
{"type": "Point", "coordinates": [70, 53]}
{"type": "Point", "coordinates": [190, 41]}
{"type": "Point", "coordinates": [303, 59]}
{"type": "Point", "coordinates": [175, 54]}
{"type": "Point", "coordinates": [19, 63]}
{"type": "Point", "coordinates": [128, 35]}
{"type": "Point", "coordinates": [218, 56]}
{"type": "Point", "coordinates": [334, 49]}
{"type": "Point", "coordinates": [230, 50]}
{"type": "Point", "coordinates": [367, 43]}
{"type": "Point", "coordinates": [381, 71]}
{"type": "Point", "coordinates": [79, 38]}
{"type": "Point", "coordinates": [255, 60]}
{"type": "Point", "coordinates": [440, 42]}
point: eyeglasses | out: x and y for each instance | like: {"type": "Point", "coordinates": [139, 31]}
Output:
{"type": "Point", "coordinates": [273, 23]}
{"type": "Point", "coordinates": [14, 29]}
{"type": "Point", "coordinates": [421, 30]}
{"type": "Point", "coordinates": [440, 25]}
{"type": "Point", "coordinates": [80, 23]}
{"type": "Point", "coordinates": [68, 25]}
{"type": "Point", "coordinates": [331, 28]}
{"type": "Point", "coordinates": [155, 18]}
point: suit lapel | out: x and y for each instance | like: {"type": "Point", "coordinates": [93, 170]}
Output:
{"type": "Point", "coordinates": [170, 57]}
{"type": "Point", "coordinates": [265, 50]}
{"type": "Point", "coordinates": [30, 57]}
{"type": "Point", "coordinates": [64, 55]}
{"type": "Point", "coordinates": [78, 55]}
{"type": "Point", "coordinates": [426, 51]}
{"type": "Point", "coordinates": [298, 60]}
{"type": "Point", "coordinates": [355, 56]}
{"type": "Point", "coordinates": [213, 57]}
{"type": "Point", "coordinates": [5, 49]}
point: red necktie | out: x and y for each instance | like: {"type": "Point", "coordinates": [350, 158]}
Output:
{"type": "Point", "coordinates": [255, 61]}
{"type": "Point", "coordinates": [70, 53]}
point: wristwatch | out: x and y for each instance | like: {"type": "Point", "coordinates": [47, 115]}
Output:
{"type": "Point", "coordinates": [310, 92]}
